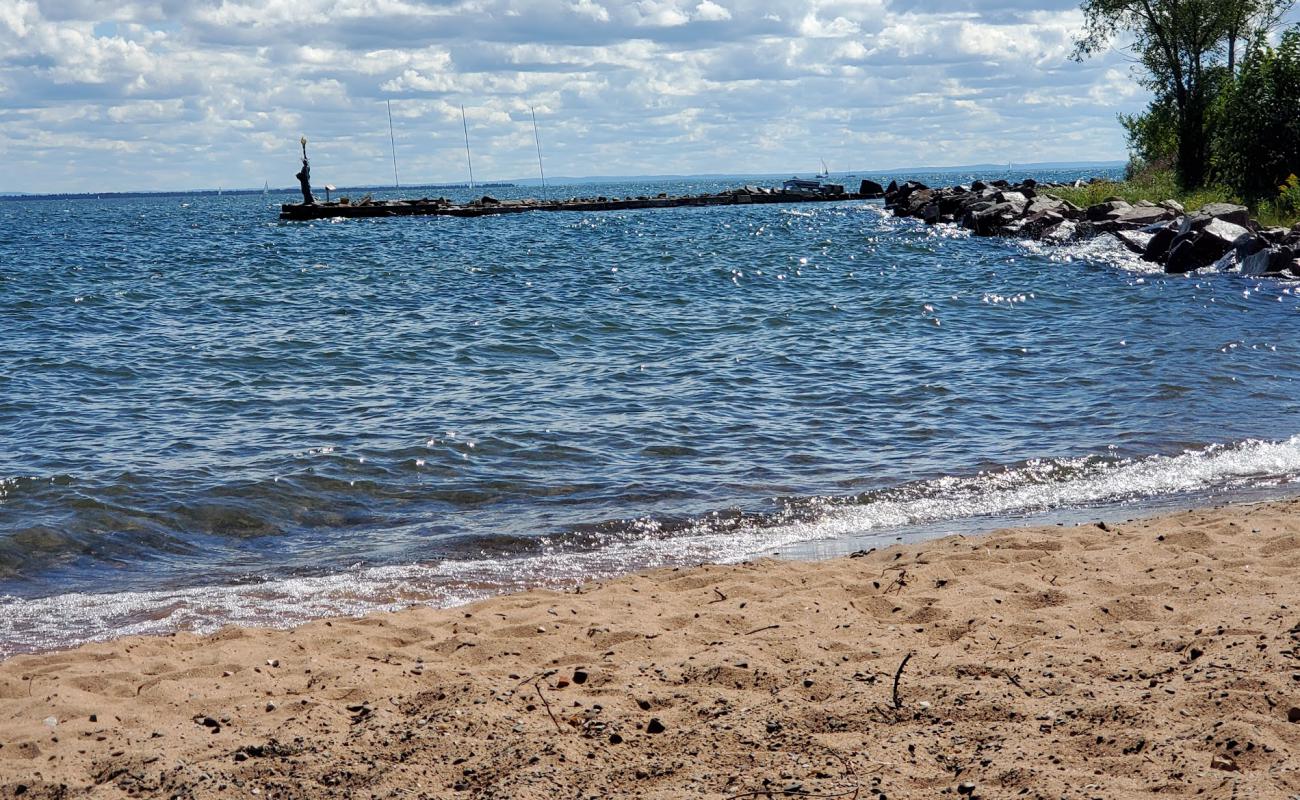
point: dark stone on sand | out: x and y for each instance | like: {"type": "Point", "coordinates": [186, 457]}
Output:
{"type": "Point", "coordinates": [654, 726]}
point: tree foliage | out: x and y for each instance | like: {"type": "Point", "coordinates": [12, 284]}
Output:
{"type": "Point", "coordinates": [1186, 50]}
{"type": "Point", "coordinates": [1257, 131]}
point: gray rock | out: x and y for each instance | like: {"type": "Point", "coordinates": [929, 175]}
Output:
{"type": "Point", "coordinates": [1039, 222]}
{"type": "Point", "coordinates": [1145, 215]}
{"type": "Point", "coordinates": [1229, 212]}
{"type": "Point", "coordinates": [1226, 233]}
{"type": "Point", "coordinates": [1111, 209]}
{"type": "Point", "coordinates": [1136, 241]}
{"type": "Point", "coordinates": [1226, 262]}
{"type": "Point", "coordinates": [1183, 257]}
{"type": "Point", "coordinates": [1158, 247]}
{"type": "Point", "coordinates": [1193, 249]}
{"type": "Point", "coordinates": [1062, 231]}
{"type": "Point", "coordinates": [1248, 246]}
{"type": "Point", "coordinates": [1271, 261]}
{"type": "Point", "coordinates": [870, 188]}
{"type": "Point", "coordinates": [1174, 206]}
{"type": "Point", "coordinates": [987, 221]}
{"type": "Point", "coordinates": [1044, 203]}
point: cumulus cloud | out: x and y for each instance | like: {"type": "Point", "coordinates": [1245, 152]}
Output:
{"type": "Point", "coordinates": [102, 94]}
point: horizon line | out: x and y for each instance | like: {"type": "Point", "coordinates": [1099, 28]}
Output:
{"type": "Point", "coordinates": [581, 179]}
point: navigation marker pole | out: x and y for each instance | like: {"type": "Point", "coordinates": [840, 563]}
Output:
{"type": "Point", "coordinates": [468, 160]}
{"type": "Point", "coordinates": [538, 140]}
{"type": "Point", "coordinates": [392, 141]}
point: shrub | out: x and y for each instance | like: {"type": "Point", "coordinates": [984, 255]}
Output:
{"type": "Point", "coordinates": [1257, 141]}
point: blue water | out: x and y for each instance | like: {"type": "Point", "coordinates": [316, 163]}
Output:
{"type": "Point", "coordinates": [208, 415]}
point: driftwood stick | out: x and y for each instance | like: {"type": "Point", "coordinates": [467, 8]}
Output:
{"type": "Point", "coordinates": [538, 686]}
{"type": "Point", "coordinates": [898, 703]}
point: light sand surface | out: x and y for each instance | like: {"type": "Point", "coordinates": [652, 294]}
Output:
{"type": "Point", "coordinates": [1157, 658]}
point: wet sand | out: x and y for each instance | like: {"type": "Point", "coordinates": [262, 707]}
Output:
{"type": "Point", "coordinates": [1156, 658]}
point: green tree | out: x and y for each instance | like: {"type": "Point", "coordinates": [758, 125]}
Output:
{"type": "Point", "coordinates": [1257, 135]}
{"type": "Point", "coordinates": [1248, 20]}
{"type": "Point", "coordinates": [1182, 47]}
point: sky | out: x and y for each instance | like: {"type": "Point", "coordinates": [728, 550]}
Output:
{"type": "Point", "coordinates": [132, 95]}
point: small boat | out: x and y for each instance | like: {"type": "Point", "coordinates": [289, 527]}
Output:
{"type": "Point", "coordinates": [806, 186]}
{"type": "Point", "coordinates": [825, 173]}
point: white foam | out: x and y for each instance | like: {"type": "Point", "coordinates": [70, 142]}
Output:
{"type": "Point", "coordinates": [70, 619]}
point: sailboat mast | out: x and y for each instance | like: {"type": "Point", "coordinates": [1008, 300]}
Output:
{"type": "Point", "coordinates": [538, 141]}
{"type": "Point", "coordinates": [393, 142]}
{"type": "Point", "coordinates": [468, 160]}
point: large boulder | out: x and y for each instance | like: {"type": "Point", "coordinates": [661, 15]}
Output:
{"type": "Point", "coordinates": [1269, 261]}
{"type": "Point", "coordinates": [986, 222]}
{"type": "Point", "coordinates": [1157, 248]}
{"type": "Point", "coordinates": [1228, 212]}
{"type": "Point", "coordinates": [1044, 203]}
{"type": "Point", "coordinates": [1039, 223]}
{"type": "Point", "coordinates": [1136, 241]}
{"type": "Point", "coordinates": [1008, 196]}
{"type": "Point", "coordinates": [1060, 232]}
{"type": "Point", "coordinates": [1224, 233]}
{"type": "Point", "coordinates": [870, 188]}
{"type": "Point", "coordinates": [1248, 246]}
{"type": "Point", "coordinates": [1194, 249]}
{"type": "Point", "coordinates": [1111, 209]}
{"type": "Point", "coordinates": [915, 201]}
{"type": "Point", "coordinates": [1145, 215]}
{"type": "Point", "coordinates": [901, 195]}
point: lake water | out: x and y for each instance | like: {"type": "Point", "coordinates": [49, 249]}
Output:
{"type": "Point", "coordinates": [210, 416]}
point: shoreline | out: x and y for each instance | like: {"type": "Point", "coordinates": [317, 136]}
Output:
{"type": "Point", "coordinates": [1153, 657]}
{"type": "Point", "coordinates": [1219, 235]}
{"type": "Point", "coordinates": [282, 603]}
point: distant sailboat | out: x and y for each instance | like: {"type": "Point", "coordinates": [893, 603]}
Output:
{"type": "Point", "coordinates": [266, 188]}
{"type": "Point", "coordinates": [537, 139]}
{"type": "Point", "coordinates": [393, 143]}
{"type": "Point", "coordinates": [825, 173]}
{"type": "Point", "coordinates": [468, 161]}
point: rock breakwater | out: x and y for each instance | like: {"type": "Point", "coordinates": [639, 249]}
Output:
{"type": "Point", "coordinates": [1220, 235]}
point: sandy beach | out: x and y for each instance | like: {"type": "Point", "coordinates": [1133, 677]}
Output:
{"type": "Point", "coordinates": [1158, 657]}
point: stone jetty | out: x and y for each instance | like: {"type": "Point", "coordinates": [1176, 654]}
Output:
{"type": "Point", "coordinates": [488, 206]}
{"type": "Point", "coordinates": [1221, 235]}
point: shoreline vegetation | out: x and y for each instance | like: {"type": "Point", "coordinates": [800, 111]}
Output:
{"type": "Point", "coordinates": [1151, 658]}
{"type": "Point", "coordinates": [1156, 186]}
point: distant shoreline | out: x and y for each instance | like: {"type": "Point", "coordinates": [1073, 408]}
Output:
{"type": "Point", "coordinates": [563, 179]}
{"type": "Point", "coordinates": [220, 192]}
